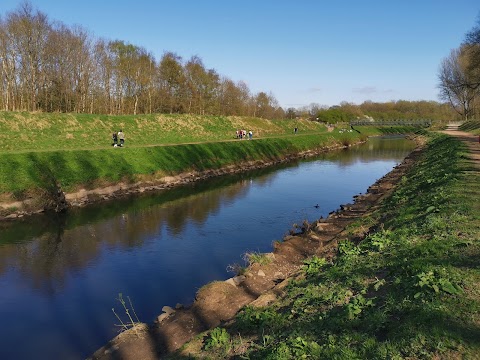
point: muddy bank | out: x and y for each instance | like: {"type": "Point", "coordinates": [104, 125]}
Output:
{"type": "Point", "coordinates": [218, 302]}
{"type": "Point", "coordinates": [55, 200]}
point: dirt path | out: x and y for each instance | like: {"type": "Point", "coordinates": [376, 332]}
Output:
{"type": "Point", "coordinates": [472, 141]}
{"type": "Point", "coordinates": [218, 302]}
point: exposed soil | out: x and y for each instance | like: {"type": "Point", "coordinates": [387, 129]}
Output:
{"type": "Point", "coordinates": [218, 302]}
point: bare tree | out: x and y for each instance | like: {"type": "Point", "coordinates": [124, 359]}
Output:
{"type": "Point", "coordinates": [454, 83]}
{"type": "Point", "coordinates": [8, 62]}
{"type": "Point", "coordinates": [232, 101]}
{"type": "Point", "coordinates": [471, 47]}
{"type": "Point", "coordinates": [172, 81]}
{"type": "Point", "coordinates": [266, 105]}
{"type": "Point", "coordinates": [29, 31]}
{"type": "Point", "coordinates": [53, 67]}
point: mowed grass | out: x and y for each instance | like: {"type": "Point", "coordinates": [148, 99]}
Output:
{"type": "Point", "coordinates": [90, 168]}
{"type": "Point", "coordinates": [23, 131]}
{"type": "Point", "coordinates": [410, 290]}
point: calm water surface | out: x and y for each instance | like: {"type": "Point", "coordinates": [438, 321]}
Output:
{"type": "Point", "coordinates": [60, 277]}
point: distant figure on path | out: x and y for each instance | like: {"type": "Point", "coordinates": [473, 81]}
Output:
{"type": "Point", "coordinates": [121, 137]}
{"type": "Point", "coordinates": [295, 130]}
{"type": "Point", "coordinates": [114, 139]}
{"type": "Point", "coordinates": [250, 135]}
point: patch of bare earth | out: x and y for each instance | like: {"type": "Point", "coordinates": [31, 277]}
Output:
{"type": "Point", "coordinates": [218, 302]}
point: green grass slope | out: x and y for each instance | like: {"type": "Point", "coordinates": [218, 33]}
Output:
{"type": "Point", "coordinates": [23, 131]}
{"type": "Point", "coordinates": [472, 126]}
{"type": "Point", "coordinates": [89, 168]}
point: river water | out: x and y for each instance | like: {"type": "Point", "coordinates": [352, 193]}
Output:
{"type": "Point", "coordinates": [61, 276]}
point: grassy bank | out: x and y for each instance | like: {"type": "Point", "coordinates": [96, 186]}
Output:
{"type": "Point", "coordinates": [22, 131]}
{"type": "Point", "coordinates": [472, 126]}
{"type": "Point", "coordinates": [409, 290]}
{"type": "Point", "coordinates": [91, 168]}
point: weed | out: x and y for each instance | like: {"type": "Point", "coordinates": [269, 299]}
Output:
{"type": "Point", "coordinates": [130, 322]}
{"type": "Point", "coordinates": [313, 265]}
{"type": "Point", "coordinates": [218, 338]}
{"type": "Point", "coordinates": [346, 142]}
{"type": "Point", "coordinates": [251, 318]}
{"type": "Point", "coordinates": [237, 269]}
{"type": "Point", "coordinates": [257, 258]}
{"type": "Point", "coordinates": [301, 348]}
{"type": "Point", "coordinates": [431, 282]}
{"type": "Point", "coordinates": [377, 241]}
{"type": "Point", "coordinates": [356, 305]}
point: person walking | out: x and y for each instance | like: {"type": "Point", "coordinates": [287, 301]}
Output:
{"type": "Point", "coordinates": [121, 137]}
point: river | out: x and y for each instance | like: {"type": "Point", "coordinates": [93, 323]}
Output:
{"type": "Point", "coordinates": [61, 276]}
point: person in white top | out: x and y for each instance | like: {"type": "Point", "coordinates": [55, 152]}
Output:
{"type": "Point", "coordinates": [121, 137]}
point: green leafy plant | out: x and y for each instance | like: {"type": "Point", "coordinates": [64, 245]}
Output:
{"type": "Point", "coordinates": [217, 338]}
{"type": "Point", "coordinates": [356, 305]}
{"type": "Point", "coordinates": [255, 318]}
{"type": "Point", "coordinates": [431, 283]}
{"type": "Point", "coordinates": [378, 241]}
{"type": "Point", "coordinates": [312, 266]}
{"type": "Point", "coordinates": [302, 348]}
{"type": "Point", "coordinates": [348, 252]}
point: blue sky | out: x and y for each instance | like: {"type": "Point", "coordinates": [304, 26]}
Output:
{"type": "Point", "coordinates": [303, 51]}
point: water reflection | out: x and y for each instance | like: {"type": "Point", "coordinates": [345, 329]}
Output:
{"type": "Point", "coordinates": [44, 248]}
{"type": "Point", "coordinates": [160, 247]}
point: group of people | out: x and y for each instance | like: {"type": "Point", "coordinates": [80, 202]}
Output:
{"type": "Point", "coordinates": [118, 138]}
{"type": "Point", "coordinates": [242, 134]}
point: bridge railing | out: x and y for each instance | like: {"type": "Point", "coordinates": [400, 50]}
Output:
{"type": "Point", "coordinates": [418, 122]}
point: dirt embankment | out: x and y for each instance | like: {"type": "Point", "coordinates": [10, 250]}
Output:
{"type": "Point", "coordinates": [56, 200]}
{"type": "Point", "coordinates": [218, 302]}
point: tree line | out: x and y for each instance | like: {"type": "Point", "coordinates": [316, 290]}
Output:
{"type": "Point", "coordinates": [48, 66]}
{"type": "Point", "coordinates": [459, 75]}
{"type": "Point", "coordinates": [369, 110]}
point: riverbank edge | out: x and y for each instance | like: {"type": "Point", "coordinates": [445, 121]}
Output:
{"type": "Point", "coordinates": [218, 302]}
{"type": "Point", "coordinates": [60, 201]}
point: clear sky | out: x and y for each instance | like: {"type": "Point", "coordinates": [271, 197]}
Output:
{"type": "Point", "coordinates": [303, 51]}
